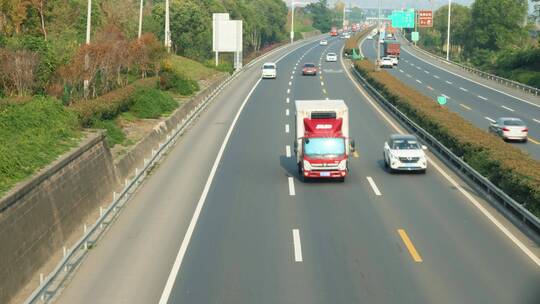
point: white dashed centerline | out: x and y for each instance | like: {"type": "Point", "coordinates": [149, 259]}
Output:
{"type": "Point", "coordinates": [401, 70]}
{"type": "Point", "coordinates": [436, 76]}
{"type": "Point", "coordinates": [430, 88]}
{"type": "Point", "coordinates": [482, 97]}
{"type": "Point", "coordinates": [449, 82]}
{"type": "Point", "coordinates": [288, 151]}
{"type": "Point", "coordinates": [287, 128]}
{"type": "Point", "coordinates": [464, 106]}
{"type": "Point", "coordinates": [374, 186]}
{"type": "Point", "coordinates": [287, 99]}
{"type": "Point", "coordinates": [447, 97]}
{"type": "Point", "coordinates": [287, 112]}
{"type": "Point", "coordinates": [418, 81]}
{"type": "Point", "coordinates": [507, 108]}
{"type": "Point", "coordinates": [427, 72]}
{"type": "Point", "coordinates": [322, 83]}
{"type": "Point", "coordinates": [492, 120]}
{"type": "Point", "coordinates": [297, 245]}
{"type": "Point", "coordinates": [463, 89]}
{"type": "Point", "coordinates": [291, 186]}
{"type": "Point", "coordinates": [290, 83]}
{"type": "Point", "coordinates": [409, 75]}
{"type": "Point", "coordinates": [536, 120]}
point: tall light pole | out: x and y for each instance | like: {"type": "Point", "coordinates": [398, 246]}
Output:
{"type": "Point", "coordinates": [140, 18]}
{"type": "Point", "coordinates": [292, 21]}
{"type": "Point", "coordinates": [86, 82]}
{"type": "Point", "coordinates": [167, 27]}
{"type": "Point", "coordinates": [88, 21]}
{"type": "Point", "coordinates": [379, 38]}
{"type": "Point", "coordinates": [448, 34]}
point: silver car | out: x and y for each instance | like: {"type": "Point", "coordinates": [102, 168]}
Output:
{"type": "Point", "coordinates": [404, 153]}
{"type": "Point", "coordinates": [331, 57]}
{"type": "Point", "coordinates": [510, 128]}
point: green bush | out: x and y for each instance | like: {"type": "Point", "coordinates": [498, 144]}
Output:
{"type": "Point", "coordinates": [32, 135]}
{"type": "Point", "coordinates": [114, 135]}
{"type": "Point", "coordinates": [152, 103]}
{"type": "Point", "coordinates": [511, 169]}
{"type": "Point", "coordinates": [177, 82]}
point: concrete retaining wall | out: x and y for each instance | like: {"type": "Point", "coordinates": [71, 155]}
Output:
{"type": "Point", "coordinates": [39, 215]}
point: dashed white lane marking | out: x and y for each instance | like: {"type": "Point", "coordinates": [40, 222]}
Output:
{"type": "Point", "coordinates": [288, 91]}
{"type": "Point", "coordinates": [449, 82]}
{"type": "Point", "coordinates": [427, 72]}
{"type": "Point", "coordinates": [324, 91]}
{"type": "Point", "coordinates": [464, 106]}
{"type": "Point", "coordinates": [418, 81]}
{"type": "Point", "coordinates": [447, 97]}
{"type": "Point", "coordinates": [463, 89]}
{"type": "Point", "coordinates": [430, 88]}
{"type": "Point", "coordinates": [297, 245]}
{"type": "Point", "coordinates": [418, 68]}
{"type": "Point", "coordinates": [291, 186]}
{"type": "Point", "coordinates": [507, 108]}
{"type": "Point", "coordinates": [322, 83]}
{"type": "Point", "coordinates": [292, 76]}
{"type": "Point", "coordinates": [482, 97]}
{"type": "Point", "coordinates": [409, 75]}
{"type": "Point", "coordinates": [536, 120]}
{"type": "Point", "coordinates": [290, 82]}
{"type": "Point", "coordinates": [287, 100]}
{"type": "Point", "coordinates": [327, 98]}
{"type": "Point", "coordinates": [288, 151]}
{"type": "Point", "coordinates": [492, 120]}
{"type": "Point", "coordinates": [287, 112]}
{"type": "Point", "coordinates": [287, 128]}
{"type": "Point", "coordinates": [401, 70]}
{"type": "Point", "coordinates": [436, 76]}
{"type": "Point", "coordinates": [374, 186]}
{"type": "Point", "coordinates": [412, 64]}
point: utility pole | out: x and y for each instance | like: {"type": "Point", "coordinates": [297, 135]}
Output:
{"type": "Point", "coordinates": [448, 34]}
{"type": "Point", "coordinates": [140, 18]}
{"type": "Point", "coordinates": [379, 38]}
{"type": "Point", "coordinates": [292, 21]}
{"type": "Point", "coordinates": [167, 28]}
{"type": "Point", "coordinates": [86, 82]}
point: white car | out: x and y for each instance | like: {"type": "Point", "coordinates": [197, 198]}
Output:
{"type": "Point", "coordinates": [369, 37]}
{"type": "Point", "coordinates": [510, 129]}
{"type": "Point", "coordinates": [269, 70]}
{"type": "Point", "coordinates": [347, 36]}
{"type": "Point", "coordinates": [404, 153]}
{"type": "Point", "coordinates": [386, 62]}
{"type": "Point", "coordinates": [331, 57]}
{"type": "Point", "coordinates": [323, 42]}
{"type": "Point", "coordinates": [394, 58]}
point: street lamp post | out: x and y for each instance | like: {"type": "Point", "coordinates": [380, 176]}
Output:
{"type": "Point", "coordinates": [292, 21]}
{"type": "Point", "coordinates": [448, 34]}
{"type": "Point", "coordinates": [140, 18]}
{"type": "Point", "coordinates": [379, 38]}
{"type": "Point", "coordinates": [167, 27]}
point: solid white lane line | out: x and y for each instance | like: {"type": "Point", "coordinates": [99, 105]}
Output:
{"type": "Point", "coordinates": [463, 89]}
{"type": "Point", "coordinates": [507, 108]}
{"type": "Point", "coordinates": [288, 151]}
{"type": "Point", "coordinates": [287, 128]}
{"type": "Point", "coordinates": [297, 245]}
{"type": "Point", "coordinates": [418, 81]}
{"type": "Point", "coordinates": [482, 97]}
{"type": "Point", "coordinates": [492, 120]}
{"type": "Point", "coordinates": [374, 186]}
{"type": "Point", "coordinates": [449, 82]}
{"type": "Point", "coordinates": [287, 112]}
{"type": "Point", "coordinates": [291, 186]}
{"type": "Point", "coordinates": [536, 120]}
{"type": "Point", "coordinates": [473, 200]}
{"type": "Point", "coordinates": [436, 76]}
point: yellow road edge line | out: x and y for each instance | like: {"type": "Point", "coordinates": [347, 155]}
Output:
{"type": "Point", "coordinates": [412, 250]}
{"type": "Point", "coordinates": [534, 141]}
{"type": "Point", "coordinates": [356, 154]}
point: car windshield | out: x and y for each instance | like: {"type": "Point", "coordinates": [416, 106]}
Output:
{"type": "Point", "coordinates": [309, 65]}
{"type": "Point", "coordinates": [513, 122]}
{"type": "Point", "coordinates": [268, 67]}
{"type": "Point", "coordinates": [324, 147]}
{"type": "Point", "coordinates": [331, 54]}
{"type": "Point", "coordinates": [405, 144]}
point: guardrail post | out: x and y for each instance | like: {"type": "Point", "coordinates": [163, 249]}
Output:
{"type": "Point", "coordinates": [100, 216]}
{"type": "Point", "coordinates": [41, 284]}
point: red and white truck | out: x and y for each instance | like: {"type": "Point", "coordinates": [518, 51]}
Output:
{"type": "Point", "coordinates": [333, 31]}
{"type": "Point", "coordinates": [392, 47]}
{"type": "Point", "coordinates": [322, 145]}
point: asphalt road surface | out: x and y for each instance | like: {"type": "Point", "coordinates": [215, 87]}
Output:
{"type": "Point", "coordinates": [225, 219]}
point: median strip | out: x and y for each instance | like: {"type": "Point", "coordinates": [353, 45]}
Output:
{"type": "Point", "coordinates": [410, 246]}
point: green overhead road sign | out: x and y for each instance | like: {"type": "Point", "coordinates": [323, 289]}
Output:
{"type": "Point", "coordinates": [415, 36]}
{"type": "Point", "coordinates": [441, 100]}
{"type": "Point", "coordinates": [402, 19]}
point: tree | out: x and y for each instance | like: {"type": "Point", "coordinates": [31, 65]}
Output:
{"type": "Point", "coordinates": [321, 14]}
{"type": "Point", "coordinates": [461, 22]}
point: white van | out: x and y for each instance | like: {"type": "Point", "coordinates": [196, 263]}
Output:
{"type": "Point", "coordinates": [269, 70]}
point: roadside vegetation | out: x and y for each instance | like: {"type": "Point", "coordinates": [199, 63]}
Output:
{"type": "Point", "coordinates": [489, 35]}
{"type": "Point", "coordinates": [511, 169]}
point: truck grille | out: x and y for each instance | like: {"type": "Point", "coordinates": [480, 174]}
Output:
{"type": "Point", "coordinates": [408, 160]}
{"type": "Point", "coordinates": [322, 167]}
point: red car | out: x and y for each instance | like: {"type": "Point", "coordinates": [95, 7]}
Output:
{"type": "Point", "coordinates": [309, 69]}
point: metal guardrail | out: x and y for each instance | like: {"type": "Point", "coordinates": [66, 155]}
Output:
{"type": "Point", "coordinates": [498, 79]}
{"type": "Point", "coordinates": [73, 257]}
{"type": "Point", "coordinates": [486, 185]}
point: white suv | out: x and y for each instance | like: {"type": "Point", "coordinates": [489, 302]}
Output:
{"type": "Point", "coordinates": [331, 57]}
{"type": "Point", "coordinates": [269, 70]}
{"type": "Point", "coordinates": [386, 62]}
{"type": "Point", "coordinates": [404, 153]}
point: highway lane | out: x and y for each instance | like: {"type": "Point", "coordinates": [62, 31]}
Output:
{"type": "Point", "coordinates": [474, 102]}
{"type": "Point", "coordinates": [261, 240]}
{"type": "Point", "coordinates": [131, 263]}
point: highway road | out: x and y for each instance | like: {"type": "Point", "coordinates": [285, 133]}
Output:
{"type": "Point", "coordinates": [478, 101]}
{"type": "Point", "coordinates": [225, 219]}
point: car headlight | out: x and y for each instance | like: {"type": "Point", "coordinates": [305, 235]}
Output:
{"type": "Point", "coordinates": [307, 165]}
{"type": "Point", "coordinates": [392, 156]}
{"type": "Point", "coordinates": [342, 165]}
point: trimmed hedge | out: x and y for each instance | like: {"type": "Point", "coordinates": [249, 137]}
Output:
{"type": "Point", "coordinates": [511, 169]}
{"type": "Point", "coordinates": [152, 103]}
{"type": "Point", "coordinates": [353, 42]}
{"type": "Point", "coordinates": [108, 106]}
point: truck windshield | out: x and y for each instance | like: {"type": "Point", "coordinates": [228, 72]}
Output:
{"type": "Point", "coordinates": [324, 147]}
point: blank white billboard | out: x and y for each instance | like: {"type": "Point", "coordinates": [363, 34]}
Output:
{"type": "Point", "coordinates": [227, 35]}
